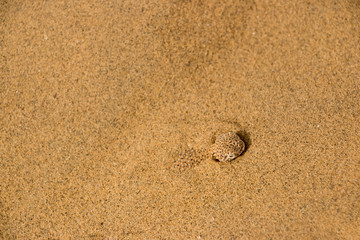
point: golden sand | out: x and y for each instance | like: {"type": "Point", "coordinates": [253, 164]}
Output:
{"type": "Point", "coordinates": [97, 99]}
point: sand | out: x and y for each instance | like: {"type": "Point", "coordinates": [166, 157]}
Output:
{"type": "Point", "coordinates": [97, 99]}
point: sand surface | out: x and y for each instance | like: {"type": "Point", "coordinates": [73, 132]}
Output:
{"type": "Point", "coordinates": [97, 99]}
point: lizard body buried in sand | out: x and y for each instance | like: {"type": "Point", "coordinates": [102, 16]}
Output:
{"type": "Point", "coordinates": [226, 148]}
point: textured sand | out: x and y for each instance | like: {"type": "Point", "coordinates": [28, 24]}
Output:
{"type": "Point", "coordinates": [97, 99]}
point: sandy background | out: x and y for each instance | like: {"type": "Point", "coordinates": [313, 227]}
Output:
{"type": "Point", "coordinates": [98, 98]}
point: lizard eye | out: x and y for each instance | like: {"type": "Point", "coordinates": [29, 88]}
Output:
{"type": "Point", "coordinates": [231, 156]}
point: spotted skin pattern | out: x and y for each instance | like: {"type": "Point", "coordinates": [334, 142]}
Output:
{"type": "Point", "coordinates": [226, 148]}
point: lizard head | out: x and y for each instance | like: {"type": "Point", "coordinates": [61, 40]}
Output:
{"type": "Point", "coordinates": [227, 147]}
